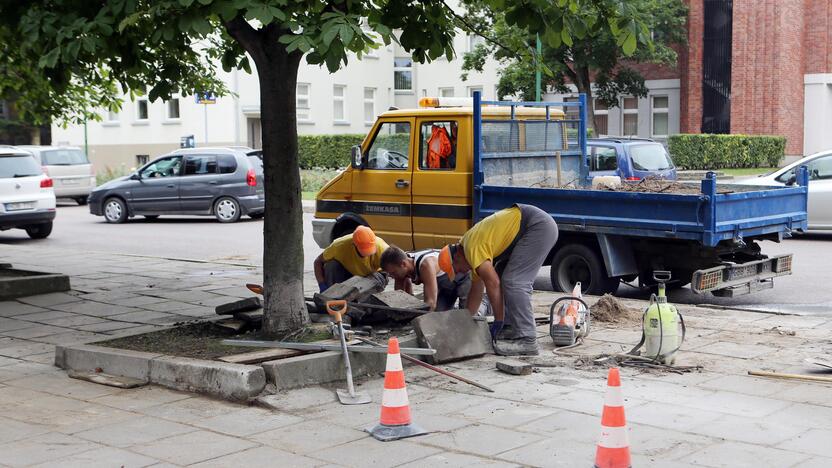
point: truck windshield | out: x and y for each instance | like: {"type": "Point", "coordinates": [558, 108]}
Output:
{"type": "Point", "coordinates": [18, 165]}
{"type": "Point", "coordinates": [650, 157]}
{"type": "Point", "coordinates": [63, 157]}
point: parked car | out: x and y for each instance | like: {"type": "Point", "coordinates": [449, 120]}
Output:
{"type": "Point", "coordinates": [71, 172]}
{"type": "Point", "coordinates": [629, 158]}
{"type": "Point", "coordinates": [221, 182]}
{"type": "Point", "coordinates": [27, 200]}
{"type": "Point", "coordinates": [820, 186]}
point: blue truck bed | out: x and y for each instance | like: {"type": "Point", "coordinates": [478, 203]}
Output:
{"type": "Point", "coordinates": [717, 216]}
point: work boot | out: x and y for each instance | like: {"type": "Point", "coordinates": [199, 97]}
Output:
{"type": "Point", "coordinates": [508, 333]}
{"type": "Point", "coordinates": [518, 347]}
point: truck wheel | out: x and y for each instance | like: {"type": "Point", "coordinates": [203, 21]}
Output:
{"type": "Point", "coordinates": [577, 262]}
{"type": "Point", "coordinates": [39, 231]}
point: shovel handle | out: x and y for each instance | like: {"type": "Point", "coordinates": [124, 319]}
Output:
{"type": "Point", "coordinates": [336, 308]}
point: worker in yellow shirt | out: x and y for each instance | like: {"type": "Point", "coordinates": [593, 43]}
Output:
{"type": "Point", "coordinates": [504, 253]}
{"type": "Point", "coordinates": [356, 254]}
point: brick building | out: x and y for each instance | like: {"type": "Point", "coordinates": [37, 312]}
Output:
{"type": "Point", "coordinates": [750, 66]}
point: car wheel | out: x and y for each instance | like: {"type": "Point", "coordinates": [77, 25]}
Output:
{"type": "Point", "coordinates": [39, 231]}
{"type": "Point", "coordinates": [81, 200]}
{"type": "Point", "coordinates": [257, 215]}
{"type": "Point", "coordinates": [577, 262]}
{"type": "Point", "coordinates": [227, 210]}
{"type": "Point", "coordinates": [151, 217]}
{"type": "Point", "coordinates": [115, 211]}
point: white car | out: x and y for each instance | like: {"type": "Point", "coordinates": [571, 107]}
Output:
{"type": "Point", "coordinates": [820, 186]}
{"type": "Point", "coordinates": [70, 170]}
{"type": "Point", "coordinates": [27, 199]}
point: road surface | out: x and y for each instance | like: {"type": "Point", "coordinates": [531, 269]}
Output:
{"type": "Point", "coordinates": [807, 291]}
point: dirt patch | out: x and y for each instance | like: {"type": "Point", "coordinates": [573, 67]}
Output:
{"type": "Point", "coordinates": [201, 341]}
{"type": "Point", "coordinates": [653, 185]}
{"type": "Point", "coordinates": [608, 309]}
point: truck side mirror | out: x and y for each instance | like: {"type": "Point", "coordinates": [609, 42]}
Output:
{"type": "Point", "coordinates": [356, 157]}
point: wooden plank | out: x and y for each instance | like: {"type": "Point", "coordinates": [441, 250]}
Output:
{"type": "Point", "coordinates": [107, 379]}
{"type": "Point", "coordinates": [262, 356]}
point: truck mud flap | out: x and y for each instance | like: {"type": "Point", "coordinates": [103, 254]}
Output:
{"type": "Point", "coordinates": [741, 278]}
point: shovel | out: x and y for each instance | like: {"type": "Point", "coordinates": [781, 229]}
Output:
{"type": "Point", "coordinates": [348, 396]}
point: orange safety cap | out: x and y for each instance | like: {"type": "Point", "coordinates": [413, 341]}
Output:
{"type": "Point", "coordinates": [446, 260]}
{"type": "Point", "coordinates": [364, 240]}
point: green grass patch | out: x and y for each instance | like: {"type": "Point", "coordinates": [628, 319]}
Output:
{"type": "Point", "coordinates": [308, 195]}
{"type": "Point", "coordinates": [747, 171]}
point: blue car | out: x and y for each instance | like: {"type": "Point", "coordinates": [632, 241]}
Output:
{"type": "Point", "coordinates": [631, 159]}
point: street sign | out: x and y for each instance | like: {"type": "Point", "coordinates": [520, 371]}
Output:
{"type": "Point", "coordinates": [205, 98]}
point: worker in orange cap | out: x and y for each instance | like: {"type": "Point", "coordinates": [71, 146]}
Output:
{"type": "Point", "coordinates": [356, 254]}
{"type": "Point", "coordinates": [407, 269]}
{"type": "Point", "coordinates": [504, 253]}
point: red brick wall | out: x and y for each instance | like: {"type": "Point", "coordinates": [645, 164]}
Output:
{"type": "Point", "coordinates": [818, 36]}
{"type": "Point", "coordinates": [767, 69]}
{"type": "Point", "coordinates": [690, 66]}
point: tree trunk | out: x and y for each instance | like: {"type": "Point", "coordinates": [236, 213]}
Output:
{"type": "Point", "coordinates": [285, 310]}
{"type": "Point", "coordinates": [584, 85]}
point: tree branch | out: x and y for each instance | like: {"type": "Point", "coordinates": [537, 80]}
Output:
{"type": "Point", "coordinates": [247, 36]}
{"type": "Point", "coordinates": [467, 25]}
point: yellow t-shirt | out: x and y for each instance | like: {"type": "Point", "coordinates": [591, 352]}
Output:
{"type": "Point", "coordinates": [490, 237]}
{"type": "Point", "coordinates": [343, 250]}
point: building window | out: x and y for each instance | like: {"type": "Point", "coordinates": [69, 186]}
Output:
{"type": "Point", "coordinates": [369, 105]}
{"type": "Point", "coordinates": [112, 116]}
{"type": "Point", "coordinates": [339, 105]}
{"type": "Point", "coordinates": [142, 109]}
{"type": "Point", "coordinates": [572, 112]}
{"type": "Point", "coordinates": [601, 118]}
{"type": "Point", "coordinates": [473, 41]}
{"type": "Point", "coordinates": [471, 90]}
{"type": "Point", "coordinates": [403, 74]}
{"type": "Point", "coordinates": [142, 159]}
{"type": "Point", "coordinates": [660, 116]}
{"type": "Point", "coordinates": [172, 108]}
{"type": "Point", "coordinates": [302, 102]}
{"type": "Point", "coordinates": [629, 112]}
{"type": "Point", "coordinates": [446, 92]}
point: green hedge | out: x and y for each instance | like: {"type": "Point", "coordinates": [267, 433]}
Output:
{"type": "Point", "coordinates": [326, 151]}
{"type": "Point", "coordinates": [705, 151]}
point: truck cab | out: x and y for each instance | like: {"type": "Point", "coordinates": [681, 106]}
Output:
{"type": "Point", "coordinates": [398, 186]}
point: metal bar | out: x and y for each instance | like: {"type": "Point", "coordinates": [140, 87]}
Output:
{"type": "Point", "coordinates": [365, 305]}
{"type": "Point", "coordinates": [431, 367]}
{"type": "Point", "coordinates": [323, 347]}
{"type": "Point", "coordinates": [478, 175]}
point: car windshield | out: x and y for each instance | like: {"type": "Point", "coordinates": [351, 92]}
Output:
{"type": "Point", "coordinates": [18, 165]}
{"type": "Point", "coordinates": [650, 157]}
{"type": "Point", "coordinates": [63, 157]}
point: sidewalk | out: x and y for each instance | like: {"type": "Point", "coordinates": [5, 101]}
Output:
{"type": "Point", "coordinates": [717, 417]}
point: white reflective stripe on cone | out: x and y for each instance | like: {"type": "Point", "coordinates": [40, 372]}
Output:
{"type": "Point", "coordinates": [614, 398]}
{"type": "Point", "coordinates": [613, 437]}
{"type": "Point", "coordinates": [394, 362]}
{"type": "Point", "coordinates": [394, 398]}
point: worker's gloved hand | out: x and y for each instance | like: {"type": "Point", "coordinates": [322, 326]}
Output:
{"type": "Point", "coordinates": [496, 326]}
{"type": "Point", "coordinates": [323, 286]}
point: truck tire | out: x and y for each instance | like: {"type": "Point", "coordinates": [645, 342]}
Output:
{"type": "Point", "coordinates": [577, 262]}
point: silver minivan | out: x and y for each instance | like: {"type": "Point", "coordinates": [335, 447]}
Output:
{"type": "Point", "coordinates": [69, 169]}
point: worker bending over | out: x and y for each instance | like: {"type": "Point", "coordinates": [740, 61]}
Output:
{"type": "Point", "coordinates": [504, 253]}
{"type": "Point", "coordinates": [407, 269]}
{"type": "Point", "coordinates": [356, 254]}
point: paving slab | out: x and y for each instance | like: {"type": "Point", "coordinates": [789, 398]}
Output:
{"type": "Point", "coordinates": [49, 447]}
{"type": "Point", "coordinates": [480, 439]}
{"type": "Point", "coordinates": [183, 410]}
{"type": "Point", "coordinates": [15, 308]}
{"type": "Point", "coordinates": [12, 430]}
{"type": "Point", "coordinates": [458, 459]}
{"type": "Point", "coordinates": [668, 416]}
{"type": "Point", "coordinates": [738, 454]}
{"type": "Point", "coordinates": [138, 399]}
{"type": "Point", "coordinates": [552, 453]}
{"type": "Point", "coordinates": [295, 438]}
{"type": "Point", "coordinates": [813, 441]}
{"type": "Point", "coordinates": [370, 452]}
{"type": "Point", "coordinates": [50, 299]}
{"type": "Point", "coordinates": [193, 447]}
{"type": "Point", "coordinates": [508, 414]}
{"type": "Point", "coordinates": [262, 456]}
{"type": "Point", "coordinates": [247, 421]}
{"type": "Point", "coordinates": [135, 431]}
{"type": "Point", "coordinates": [454, 334]}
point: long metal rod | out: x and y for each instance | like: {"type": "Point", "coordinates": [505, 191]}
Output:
{"type": "Point", "coordinates": [429, 366]}
{"type": "Point", "coordinates": [365, 305]}
{"type": "Point", "coordinates": [323, 347]}
{"type": "Point", "coordinates": [350, 387]}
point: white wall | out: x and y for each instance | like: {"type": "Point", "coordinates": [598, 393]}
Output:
{"type": "Point", "coordinates": [817, 113]}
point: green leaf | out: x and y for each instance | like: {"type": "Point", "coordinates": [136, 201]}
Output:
{"type": "Point", "coordinates": [564, 35]}
{"type": "Point", "coordinates": [328, 35]}
{"type": "Point", "coordinates": [346, 34]}
{"type": "Point", "coordinates": [50, 59]}
{"type": "Point", "coordinates": [629, 45]}
{"type": "Point", "coordinates": [186, 3]}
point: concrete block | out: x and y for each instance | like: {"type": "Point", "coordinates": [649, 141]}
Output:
{"type": "Point", "coordinates": [19, 283]}
{"type": "Point", "coordinates": [398, 299]}
{"type": "Point", "coordinates": [243, 305]}
{"type": "Point", "coordinates": [355, 289]}
{"type": "Point", "coordinates": [454, 334]}
{"type": "Point", "coordinates": [121, 362]}
{"type": "Point", "coordinates": [224, 380]}
{"type": "Point", "coordinates": [514, 367]}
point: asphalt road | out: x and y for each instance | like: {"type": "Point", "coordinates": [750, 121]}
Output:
{"type": "Point", "coordinates": [807, 291]}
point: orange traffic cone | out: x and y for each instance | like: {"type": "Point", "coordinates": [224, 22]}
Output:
{"type": "Point", "coordinates": [395, 420]}
{"type": "Point", "coordinates": [613, 446]}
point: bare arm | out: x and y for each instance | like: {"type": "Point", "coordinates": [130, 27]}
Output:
{"type": "Point", "coordinates": [475, 297]}
{"type": "Point", "coordinates": [319, 269]}
{"type": "Point", "coordinates": [404, 285]}
{"type": "Point", "coordinates": [489, 277]}
{"type": "Point", "coordinates": [427, 271]}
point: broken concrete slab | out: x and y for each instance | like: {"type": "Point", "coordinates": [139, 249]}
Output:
{"type": "Point", "coordinates": [88, 358]}
{"type": "Point", "coordinates": [411, 306]}
{"type": "Point", "coordinates": [16, 283]}
{"type": "Point", "coordinates": [514, 367]}
{"type": "Point", "coordinates": [107, 379]}
{"type": "Point", "coordinates": [243, 305]}
{"type": "Point", "coordinates": [355, 289]}
{"type": "Point", "coordinates": [454, 334]}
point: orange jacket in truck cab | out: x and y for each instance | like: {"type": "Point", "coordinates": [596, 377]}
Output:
{"type": "Point", "coordinates": [410, 180]}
